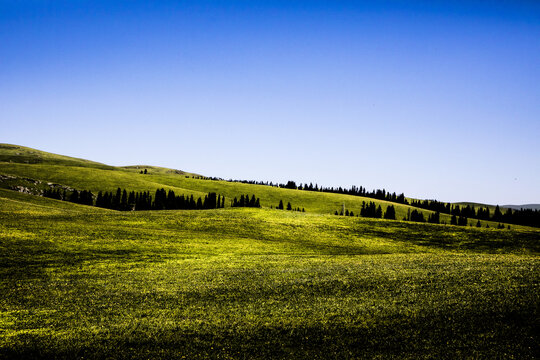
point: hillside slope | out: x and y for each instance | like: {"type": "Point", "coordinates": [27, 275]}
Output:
{"type": "Point", "coordinates": [83, 282]}
{"type": "Point", "coordinates": [30, 167]}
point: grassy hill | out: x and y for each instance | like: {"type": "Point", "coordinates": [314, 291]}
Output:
{"type": "Point", "coordinates": [524, 206]}
{"type": "Point", "coordinates": [87, 175]}
{"type": "Point", "coordinates": [84, 282]}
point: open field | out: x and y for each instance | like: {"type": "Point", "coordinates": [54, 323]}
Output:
{"type": "Point", "coordinates": [84, 282]}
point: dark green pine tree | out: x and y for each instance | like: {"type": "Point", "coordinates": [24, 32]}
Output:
{"type": "Point", "coordinates": [289, 207]}
{"type": "Point", "coordinates": [280, 206]}
{"type": "Point", "coordinates": [116, 199]}
{"type": "Point", "coordinates": [74, 197]}
{"type": "Point", "coordinates": [99, 199]}
{"type": "Point", "coordinates": [453, 220]}
{"type": "Point", "coordinates": [390, 213]}
{"type": "Point", "coordinates": [378, 212]}
{"type": "Point", "coordinates": [131, 200]}
{"type": "Point", "coordinates": [497, 215]}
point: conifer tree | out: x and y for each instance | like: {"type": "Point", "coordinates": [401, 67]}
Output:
{"type": "Point", "coordinates": [74, 197]}
{"type": "Point", "coordinates": [124, 201]}
{"type": "Point", "coordinates": [390, 213]}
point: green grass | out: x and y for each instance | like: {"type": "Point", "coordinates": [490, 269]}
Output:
{"type": "Point", "coordinates": [86, 175]}
{"type": "Point", "coordinates": [26, 163]}
{"type": "Point", "coordinates": [82, 282]}
{"type": "Point", "coordinates": [21, 154]}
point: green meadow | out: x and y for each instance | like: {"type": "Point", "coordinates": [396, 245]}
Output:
{"type": "Point", "coordinates": [84, 282]}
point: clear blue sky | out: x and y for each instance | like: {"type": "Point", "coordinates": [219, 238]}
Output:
{"type": "Point", "coordinates": [434, 99]}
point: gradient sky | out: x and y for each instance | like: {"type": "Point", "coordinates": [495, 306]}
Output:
{"type": "Point", "coordinates": [433, 99]}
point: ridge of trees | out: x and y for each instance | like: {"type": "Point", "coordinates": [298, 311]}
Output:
{"type": "Point", "coordinates": [526, 217]}
{"type": "Point", "coordinates": [126, 201]}
{"type": "Point", "coordinates": [246, 201]}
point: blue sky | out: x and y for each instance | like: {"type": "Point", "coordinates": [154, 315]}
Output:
{"type": "Point", "coordinates": [434, 99]}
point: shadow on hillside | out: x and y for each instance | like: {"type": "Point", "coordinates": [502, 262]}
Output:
{"type": "Point", "coordinates": [449, 237]}
{"type": "Point", "coordinates": [446, 335]}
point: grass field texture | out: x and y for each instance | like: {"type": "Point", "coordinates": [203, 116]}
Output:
{"type": "Point", "coordinates": [84, 282]}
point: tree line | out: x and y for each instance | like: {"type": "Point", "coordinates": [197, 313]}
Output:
{"type": "Point", "coordinates": [371, 210]}
{"type": "Point", "coordinates": [126, 201]}
{"type": "Point", "coordinates": [527, 217]}
{"type": "Point", "coordinates": [246, 201]}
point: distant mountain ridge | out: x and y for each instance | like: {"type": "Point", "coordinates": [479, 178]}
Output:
{"type": "Point", "coordinates": [525, 206]}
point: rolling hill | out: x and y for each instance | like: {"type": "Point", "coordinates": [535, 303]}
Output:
{"type": "Point", "coordinates": [89, 283]}
{"type": "Point", "coordinates": [34, 169]}
{"type": "Point", "coordinates": [524, 206]}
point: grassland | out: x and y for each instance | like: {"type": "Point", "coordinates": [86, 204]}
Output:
{"type": "Point", "coordinates": [84, 282]}
{"type": "Point", "coordinates": [83, 174]}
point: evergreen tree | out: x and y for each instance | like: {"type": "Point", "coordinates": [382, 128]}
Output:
{"type": "Point", "coordinates": [289, 207]}
{"type": "Point", "coordinates": [124, 201]}
{"type": "Point", "coordinates": [497, 215]}
{"type": "Point", "coordinates": [434, 218]}
{"type": "Point", "coordinates": [390, 213]}
{"type": "Point", "coordinates": [99, 199]}
{"type": "Point", "coordinates": [280, 206]}
{"type": "Point", "coordinates": [74, 197]}
{"type": "Point", "coordinates": [116, 199]}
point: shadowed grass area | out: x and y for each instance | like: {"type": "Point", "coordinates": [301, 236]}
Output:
{"type": "Point", "coordinates": [82, 282]}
